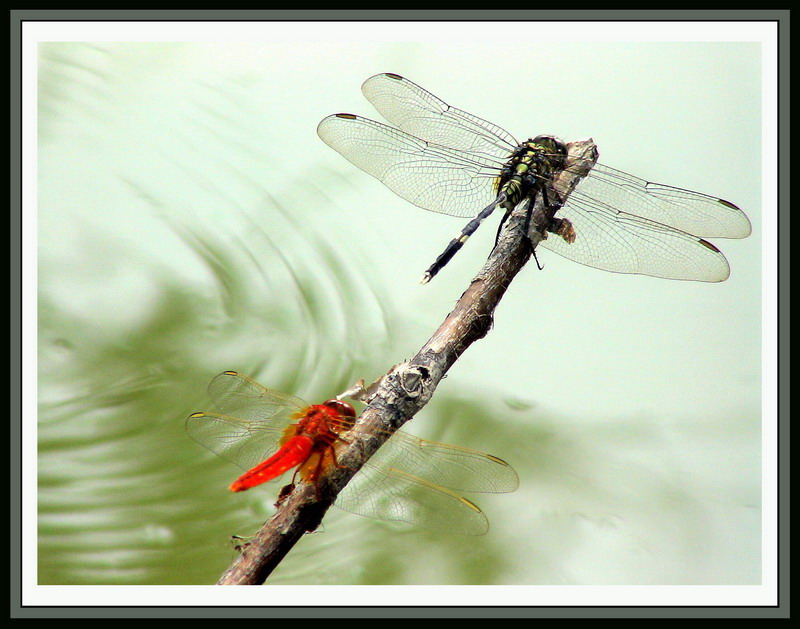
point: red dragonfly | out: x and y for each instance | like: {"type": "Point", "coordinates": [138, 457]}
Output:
{"type": "Point", "coordinates": [409, 479]}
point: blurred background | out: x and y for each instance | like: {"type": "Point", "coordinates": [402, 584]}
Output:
{"type": "Point", "coordinates": [191, 221]}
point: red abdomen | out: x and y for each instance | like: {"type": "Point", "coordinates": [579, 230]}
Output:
{"type": "Point", "coordinates": [294, 452]}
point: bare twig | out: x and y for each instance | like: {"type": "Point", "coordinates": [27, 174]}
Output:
{"type": "Point", "coordinates": [402, 392]}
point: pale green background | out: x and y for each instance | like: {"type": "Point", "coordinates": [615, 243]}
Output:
{"type": "Point", "coordinates": [190, 220]}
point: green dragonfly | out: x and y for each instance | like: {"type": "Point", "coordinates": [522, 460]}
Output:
{"type": "Point", "coordinates": [446, 160]}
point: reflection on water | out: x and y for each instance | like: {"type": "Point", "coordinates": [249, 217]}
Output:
{"type": "Point", "coordinates": [162, 262]}
{"type": "Point", "coordinates": [119, 480]}
{"type": "Point", "coordinates": [174, 244]}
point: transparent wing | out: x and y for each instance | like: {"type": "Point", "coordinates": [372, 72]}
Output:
{"type": "Point", "coordinates": [454, 467]}
{"type": "Point", "coordinates": [622, 226]}
{"type": "Point", "coordinates": [609, 209]}
{"type": "Point", "coordinates": [253, 421]}
{"type": "Point", "coordinates": [399, 497]}
{"type": "Point", "coordinates": [236, 394]}
{"type": "Point", "coordinates": [623, 243]}
{"type": "Point", "coordinates": [419, 481]}
{"type": "Point", "coordinates": [420, 113]}
{"type": "Point", "coordinates": [687, 211]}
{"type": "Point", "coordinates": [409, 479]}
{"type": "Point", "coordinates": [244, 443]}
{"type": "Point", "coordinates": [428, 175]}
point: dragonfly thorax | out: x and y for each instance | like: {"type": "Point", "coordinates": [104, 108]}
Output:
{"type": "Point", "coordinates": [532, 164]}
{"type": "Point", "coordinates": [326, 419]}
{"type": "Point", "coordinates": [323, 422]}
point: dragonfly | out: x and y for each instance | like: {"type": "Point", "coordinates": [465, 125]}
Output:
{"type": "Point", "coordinates": [413, 480]}
{"type": "Point", "coordinates": [446, 160]}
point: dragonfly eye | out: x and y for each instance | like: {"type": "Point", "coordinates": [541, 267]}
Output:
{"type": "Point", "coordinates": [554, 147]}
{"type": "Point", "coordinates": [343, 408]}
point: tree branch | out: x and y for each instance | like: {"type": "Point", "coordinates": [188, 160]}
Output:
{"type": "Point", "coordinates": [402, 392]}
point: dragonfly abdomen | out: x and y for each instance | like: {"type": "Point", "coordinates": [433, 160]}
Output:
{"type": "Point", "coordinates": [291, 454]}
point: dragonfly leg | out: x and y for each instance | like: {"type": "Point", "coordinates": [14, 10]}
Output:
{"type": "Point", "coordinates": [536, 259]}
{"type": "Point", "coordinates": [500, 228]}
{"type": "Point", "coordinates": [294, 478]}
{"type": "Point", "coordinates": [325, 448]}
{"type": "Point", "coordinates": [335, 461]}
{"type": "Point", "coordinates": [528, 218]}
{"type": "Point", "coordinates": [314, 476]}
{"type": "Point", "coordinates": [526, 226]}
{"type": "Point", "coordinates": [558, 226]}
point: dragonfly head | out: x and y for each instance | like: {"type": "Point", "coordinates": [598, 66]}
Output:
{"type": "Point", "coordinates": [555, 149]}
{"type": "Point", "coordinates": [344, 409]}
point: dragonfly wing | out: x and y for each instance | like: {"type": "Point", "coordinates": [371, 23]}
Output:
{"type": "Point", "coordinates": [252, 422]}
{"type": "Point", "coordinates": [420, 113]}
{"type": "Point", "coordinates": [397, 496]}
{"type": "Point", "coordinates": [453, 467]}
{"type": "Point", "coordinates": [239, 441]}
{"type": "Point", "coordinates": [419, 481]}
{"type": "Point", "coordinates": [428, 175]}
{"type": "Point", "coordinates": [691, 212]}
{"type": "Point", "coordinates": [236, 394]}
{"type": "Point", "coordinates": [614, 240]}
